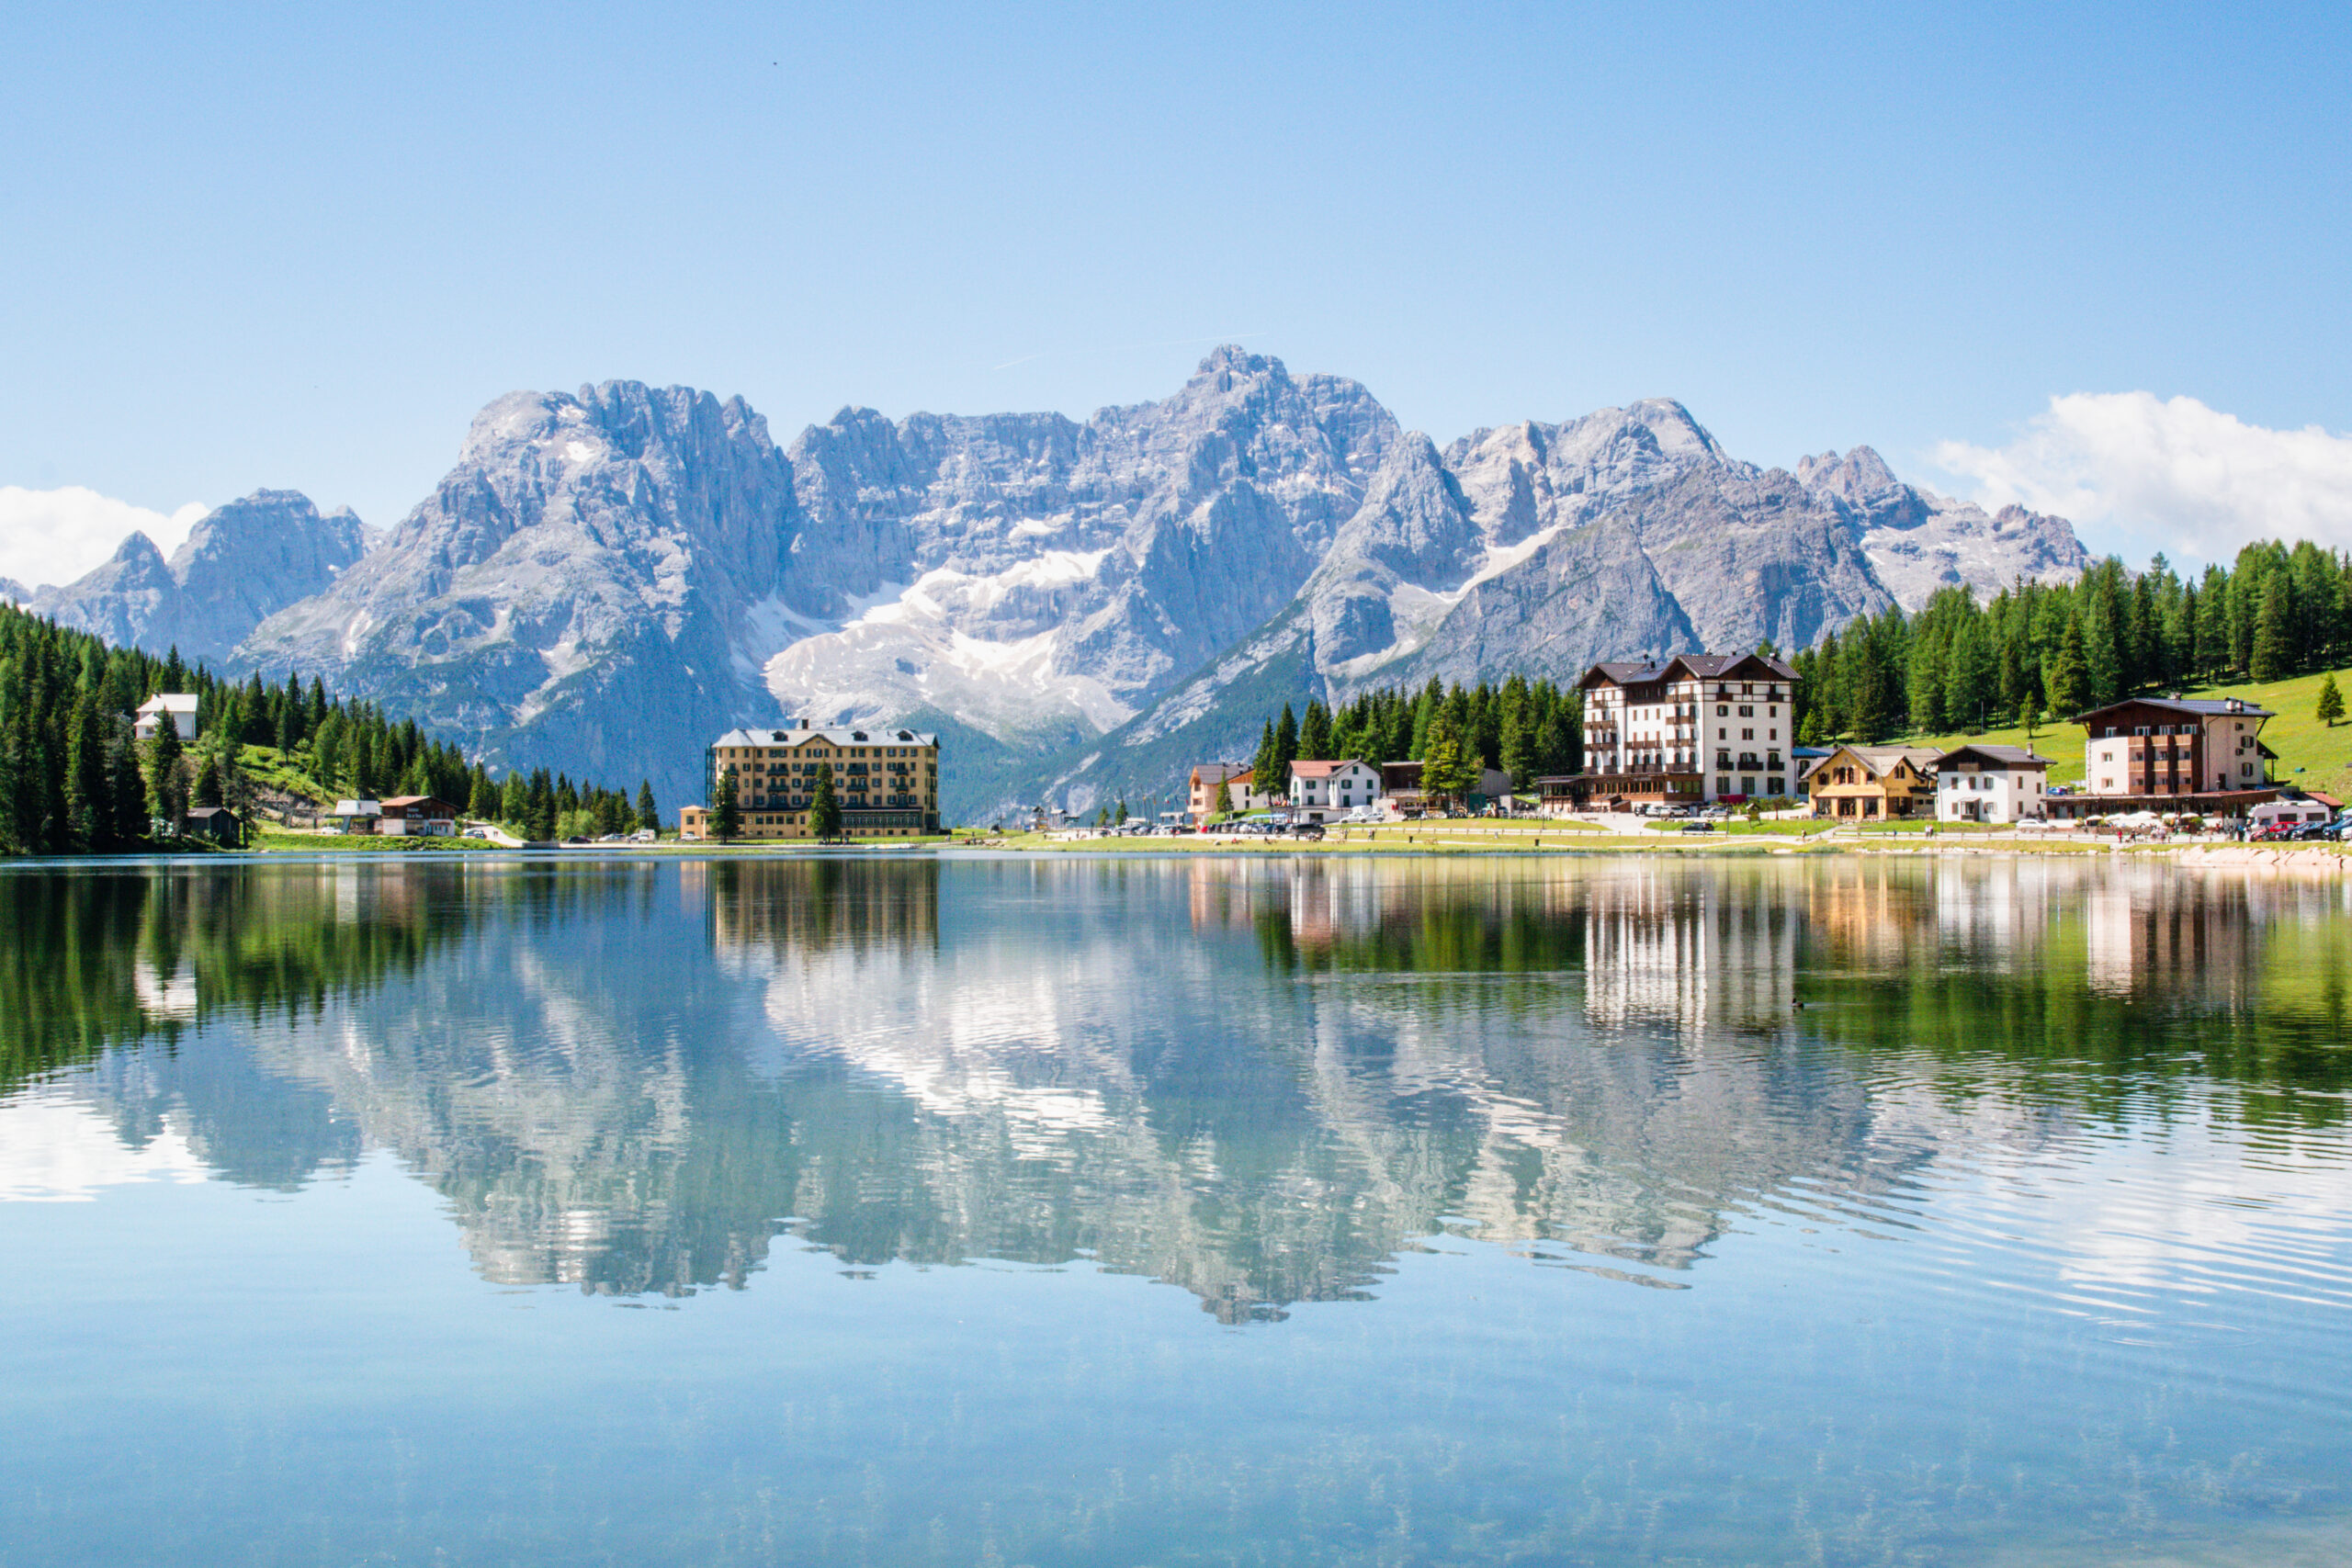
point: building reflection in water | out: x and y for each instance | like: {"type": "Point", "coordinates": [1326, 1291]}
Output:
{"type": "Point", "coordinates": [1257, 1079]}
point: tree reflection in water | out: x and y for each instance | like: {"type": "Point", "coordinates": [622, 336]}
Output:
{"type": "Point", "coordinates": [1258, 1080]}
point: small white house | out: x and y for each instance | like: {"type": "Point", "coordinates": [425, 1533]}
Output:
{"type": "Point", "coordinates": [181, 706]}
{"type": "Point", "coordinates": [1991, 784]}
{"type": "Point", "coordinates": [359, 816]}
{"type": "Point", "coordinates": [1318, 790]}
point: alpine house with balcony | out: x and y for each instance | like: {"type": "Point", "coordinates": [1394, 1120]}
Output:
{"type": "Point", "coordinates": [1699, 727]}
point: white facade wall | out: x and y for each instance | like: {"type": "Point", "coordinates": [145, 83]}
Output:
{"type": "Point", "coordinates": [1990, 795]}
{"type": "Point", "coordinates": [2232, 759]}
{"type": "Point", "coordinates": [1736, 733]}
{"type": "Point", "coordinates": [181, 707]}
{"type": "Point", "coordinates": [1341, 791]}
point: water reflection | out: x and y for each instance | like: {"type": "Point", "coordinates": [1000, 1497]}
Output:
{"type": "Point", "coordinates": [1259, 1081]}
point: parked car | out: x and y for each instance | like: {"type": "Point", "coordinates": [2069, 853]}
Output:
{"type": "Point", "coordinates": [1700, 826]}
{"type": "Point", "coordinates": [1306, 830]}
{"type": "Point", "coordinates": [477, 832]}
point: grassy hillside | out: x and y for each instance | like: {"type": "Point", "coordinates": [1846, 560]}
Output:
{"type": "Point", "coordinates": [285, 772]}
{"type": "Point", "coordinates": [2324, 755]}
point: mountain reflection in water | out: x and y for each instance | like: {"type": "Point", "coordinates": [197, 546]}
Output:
{"type": "Point", "coordinates": [1259, 1080]}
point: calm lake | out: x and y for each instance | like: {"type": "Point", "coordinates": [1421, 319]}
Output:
{"type": "Point", "coordinates": [1174, 1210]}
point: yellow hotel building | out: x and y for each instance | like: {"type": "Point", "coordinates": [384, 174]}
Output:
{"type": "Point", "coordinates": [887, 781]}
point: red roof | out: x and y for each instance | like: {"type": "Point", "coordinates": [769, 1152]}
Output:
{"type": "Point", "coordinates": [1324, 770]}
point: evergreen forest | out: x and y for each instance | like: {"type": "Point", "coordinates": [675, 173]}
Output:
{"type": "Point", "coordinates": [73, 781]}
{"type": "Point", "coordinates": [2038, 653]}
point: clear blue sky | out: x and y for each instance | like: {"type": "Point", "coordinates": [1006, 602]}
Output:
{"type": "Point", "coordinates": [299, 246]}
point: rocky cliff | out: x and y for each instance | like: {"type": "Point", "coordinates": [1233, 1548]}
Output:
{"type": "Point", "coordinates": [606, 581]}
{"type": "Point", "coordinates": [241, 563]}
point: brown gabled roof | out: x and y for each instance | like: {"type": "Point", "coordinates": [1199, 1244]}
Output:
{"type": "Point", "coordinates": [1881, 760]}
{"type": "Point", "coordinates": [2005, 755]}
{"type": "Point", "coordinates": [412, 800]}
{"type": "Point", "coordinates": [2201, 707]}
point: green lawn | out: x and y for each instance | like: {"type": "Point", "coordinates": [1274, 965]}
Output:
{"type": "Point", "coordinates": [2324, 755]}
{"type": "Point", "coordinates": [357, 843]}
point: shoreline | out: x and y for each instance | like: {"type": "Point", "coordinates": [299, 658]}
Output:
{"type": "Point", "coordinates": [2227, 855]}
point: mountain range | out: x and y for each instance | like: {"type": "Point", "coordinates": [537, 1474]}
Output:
{"type": "Point", "coordinates": [606, 581]}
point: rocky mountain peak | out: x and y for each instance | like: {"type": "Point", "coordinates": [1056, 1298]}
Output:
{"type": "Point", "coordinates": [609, 577]}
{"type": "Point", "coordinates": [240, 563]}
{"type": "Point", "coordinates": [1676, 432]}
{"type": "Point", "coordinates": [1860, 476]}
{"type": "Point", "coordinates": [1229, 361]}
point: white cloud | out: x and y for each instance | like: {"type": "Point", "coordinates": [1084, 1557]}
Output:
{"type": "Point", "coordinates": [55, 535]}
{"type": "Point", "coordinates": [2174, 475]}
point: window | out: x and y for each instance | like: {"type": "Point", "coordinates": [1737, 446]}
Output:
{"type": "Point", "coordinates": [1748, 735]}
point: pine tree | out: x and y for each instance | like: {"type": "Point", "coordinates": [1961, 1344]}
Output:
{"type": "Point", "coordinates": [2064, 678]}
{"type": "Point", "coordinates": [2274, 652]}
{"type": "Point", "coordinates": [1447, 770]}
{"type": "Point", "coordinates": [1122, 817]}
{"type": "Point", "coordinates": [825, 806]}
{"type": "Point", "coordinates": [726, 810]}
{"type": "Point", "coordinates": [1424, 714]}
{"type": "Point", "coordinates": [1518, 748]}
{"type": "Point", "coordinates": [1559, 742]}
{"type": "Point", "coordinates": [1285, 750]}
{"type": "Point", "coordinates": [649, 816]}
{"type": "Point", "coordinates": [167, 789]}
{"type": "Point", "coordinates": [540, 813]}
{"type": "Point", "coordinates": [126, 786]}
{"type": "Point", "coordinates": [2331, 702]}
{"type": "Point", "coordinates": [207, 780]}
{"type": "Point", "coordinates": [89, 820]}
{"type": "Point", "coordinates": [1261, 766]}
{"type": "Point", "coordinates": [515, 798]}
{"type": "Point", "coordinates": [1315, 732]}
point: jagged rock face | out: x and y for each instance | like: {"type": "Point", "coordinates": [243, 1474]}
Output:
{"type": "Point", "coordinates": [582, 591]}
{"type": "Point", "coordinates": [1920, 542]}
{"type": "Point", "coordinates": [1035, 571]}
{"type": "Point", "coordinates": [604, 582]}
{"type": "Point", "coordinates": [13, 592]}
{"type": "Point", "coordinates": [240, 564]}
